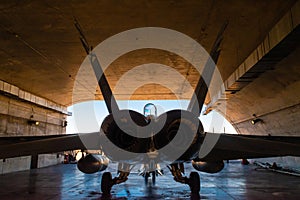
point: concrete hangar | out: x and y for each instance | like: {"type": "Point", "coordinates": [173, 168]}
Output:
{"type": "Point", "coordinates": [256, 56]}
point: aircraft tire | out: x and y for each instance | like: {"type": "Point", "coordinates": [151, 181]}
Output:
{"type": "Point", "coordinates": [153, 177]}
{"type": "Point", "coordinates": [146, 178]}
{"type": "Point", "coordinates": [106, 183]}
{"type": "Point", "coordinates": [194, 182]}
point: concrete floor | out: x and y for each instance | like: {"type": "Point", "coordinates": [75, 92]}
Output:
{"type": "Point", "coordinates": [66, 182]}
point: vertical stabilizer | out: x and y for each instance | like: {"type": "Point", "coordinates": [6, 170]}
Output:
{"type": "Point", "coordinates": [106, 91]}
{"type": "Point", "coordinates": [201, 88]}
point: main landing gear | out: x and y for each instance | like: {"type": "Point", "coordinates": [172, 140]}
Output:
{"type": "Point", "coordinates": [193, 181]}
{"type": "Point", "coordinates": [107, 181]}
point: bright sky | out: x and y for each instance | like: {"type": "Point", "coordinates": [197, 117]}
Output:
{"type": "Point", "coordinates": [88, 116]}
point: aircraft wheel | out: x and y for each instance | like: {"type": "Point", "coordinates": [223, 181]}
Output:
{"type": "Point", "coordinates": [194, 182]}
{"type": "Point", "coordinates": [106, 183]}
{"type": "Point", "coordinates": [153, 177]}
{"type": "Point", "coordinates": [146, 178]}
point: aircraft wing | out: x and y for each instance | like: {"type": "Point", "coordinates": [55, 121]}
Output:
{"type": "Point", "coordinates": [230, 147]}
{"type": "Point", "coordinates": [227, 147]}
{"type": "Point", "coordinates": [28, 145]}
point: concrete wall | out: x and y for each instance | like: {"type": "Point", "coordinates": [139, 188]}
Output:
{"type": "Point", "coordinates": [275, 98]}
{"type": "Point", "coordinates": [50, 159]}
{"type": "Point", "coordinates": [284, 121]}
{"type": "Point", "coordinates": [14, 164]}
{"type": "Point", "coordinates": [15, 113]}
{"type": "Point", "coordinates": [14, 116]}
{"type": "Point", "coordinates": [9, 165]}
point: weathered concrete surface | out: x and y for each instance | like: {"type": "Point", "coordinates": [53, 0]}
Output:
{"type": "Point", "coordinates": [16, 110]}
{"type": "Point", "coordinates": [10, 165]}
{"type": "Point", "coordinates": [43, 53]}
{"type": "Point", "coordinates": [14, 164]}
{"type": "Point", "coordinates": [15, 114]}
{"type": "Point", "coordinates": [274, 97]}
{"type": "Point", "coordinates": [66, 182]}
{"type": "Point", "coordinates": [45, 160]}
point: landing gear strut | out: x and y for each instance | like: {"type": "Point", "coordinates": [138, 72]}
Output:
{"type": "Point", "coordinates": [150, 170]}
{"type": "Point", "coordinates": [107, 181]}
{"type": "Point", "coordinates": [193, 181]}
{"type": "Point", "coordinates": [152, 175]}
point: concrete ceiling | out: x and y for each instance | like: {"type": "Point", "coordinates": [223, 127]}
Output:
{"type": "Point", "coordinates": [41, 52]}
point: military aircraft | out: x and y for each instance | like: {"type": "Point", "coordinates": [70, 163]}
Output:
{"type": "Point", "coordinates": [120, 137]}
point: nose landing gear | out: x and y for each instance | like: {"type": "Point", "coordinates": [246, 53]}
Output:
{"type": "Point", "coordinates": [152, 175]}
{"type": "Point", "coordinates": [150, 170]}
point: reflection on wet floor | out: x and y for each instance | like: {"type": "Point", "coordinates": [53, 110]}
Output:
{"type": "Point", "coordinates": [66, 182]}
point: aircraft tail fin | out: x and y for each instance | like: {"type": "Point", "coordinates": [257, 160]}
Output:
{"type": "Point", "coordinates": [82, 38]}
{"type": "Point", "coordinates": [106, 91]}
{"type": "Point", "coordinates": [201, 88]}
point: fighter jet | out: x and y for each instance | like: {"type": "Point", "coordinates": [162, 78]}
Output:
{"type": "Point", "coordinates": [172, 138]}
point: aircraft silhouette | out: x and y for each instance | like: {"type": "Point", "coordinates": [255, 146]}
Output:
{"type": "Point", "coordinates": [120, 138]}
